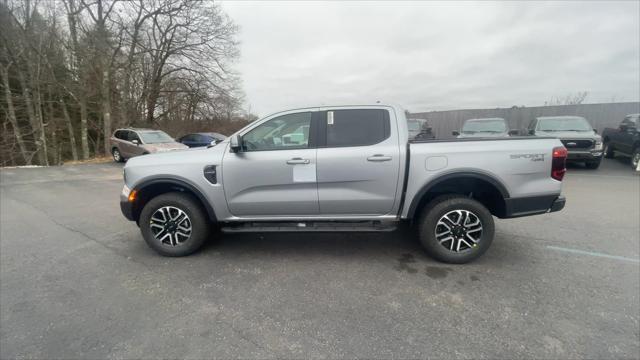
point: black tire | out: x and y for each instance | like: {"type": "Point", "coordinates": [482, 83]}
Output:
{"type": "Point", "coordinates": [608, 150]}
{"type": "Point", "coordinates": [635, 158]}
{"type": "Point", "coordinates": [593, 164]}
{"type": "Point", "coordinates": [117, 156]}
{"type": "Point", "coordinates": [443, 205]}
{"type": "Point", "coordinates": [196, 217]}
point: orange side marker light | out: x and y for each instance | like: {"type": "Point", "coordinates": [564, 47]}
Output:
{"type": "Point", "coordinates": [132, 195]}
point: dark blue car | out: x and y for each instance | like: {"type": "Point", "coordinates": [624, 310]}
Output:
{"type": "Point", "coordinates": [201, 139]}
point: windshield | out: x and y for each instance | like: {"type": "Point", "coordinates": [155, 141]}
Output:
{"type": "Point", "coordinates": [155, 137]}
{"type": "Point", "coordinates": [492, 126]}
{"type": "Point", "coordinates": [414, 125]}
{"type": "Point", "coordinates": [564, 124]}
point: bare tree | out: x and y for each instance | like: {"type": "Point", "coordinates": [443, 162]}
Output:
{"type": "Point", "coordinates": [72, 70]}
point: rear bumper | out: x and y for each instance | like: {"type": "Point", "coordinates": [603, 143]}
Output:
{"type": "Point", "coordinates": [534, 205]}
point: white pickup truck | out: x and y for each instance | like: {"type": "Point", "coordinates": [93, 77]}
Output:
{"type": "Point", "coordinates": [343, 168]}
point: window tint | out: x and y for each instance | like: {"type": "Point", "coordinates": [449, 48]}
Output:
{"type": "Point", "coordinates": [357, 127]}
{"type": "Point", "coordinates": [132, 136]}
{"type": "Point", "coordinates": [283, 132]}
{"type": "Point", "coordinates": [189, 137]}
{"type": "Point", "coordinates": [204, 139]}
{"type": "Point", "coordinates": [121, 134]}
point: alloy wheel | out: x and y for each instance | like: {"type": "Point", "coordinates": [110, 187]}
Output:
{"type": "Point", "coordinates": [459, 230]}
{"type": "Point", "coordinates": [170, 226]}
{"type": "Point", "coordinates": [116, 155]}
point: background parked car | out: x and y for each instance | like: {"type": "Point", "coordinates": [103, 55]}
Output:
{"type": "Point", "coordinates": [625, 140]}
{"type": "Point", "coordinates": [127, 143]}
{"type": "Point", "coordinates": [201, 139]}
{"type": "Point", "coordinates": [577, 135]}
{"type": "Point", "coordinates": [487, 127]}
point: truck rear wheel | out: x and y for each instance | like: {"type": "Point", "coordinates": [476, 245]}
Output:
{"type": "Point", "coordinates": [455, 229]}
{"type": "Point", "coordinates": [174, 224]}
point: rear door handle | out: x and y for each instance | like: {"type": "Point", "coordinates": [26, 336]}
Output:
{"type": "Point", "coordinates": [297, 161]}
{"type": "Point", "coordinates": [379, 157]}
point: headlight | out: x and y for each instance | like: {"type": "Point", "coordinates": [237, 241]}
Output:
{"type": "Point", "coordinates": [598, 146]}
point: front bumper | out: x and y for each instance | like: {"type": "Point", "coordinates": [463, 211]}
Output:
{"type": "Point", "coordinates": [584, 155]}
{"type": "Point", "coordinates": [534, 205]}
{"type": "Point", "coordinates": [125, 205]}
{"type": "Point", "coordinates": [127, 210]}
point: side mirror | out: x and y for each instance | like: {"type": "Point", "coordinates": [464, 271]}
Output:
{"type": "Point", "coordinates": [136, 141]}
{"type": "Point", "coordinates": [623, 127]}
{"type": "Point", "coordinates": [514, 132]}
{"type": "Point", "coordinates": [455, 133]}
{"type": "Point", "coordinates": [532, 132]}
{"type": "Point", "coordinates": [235, 143]}
{"type": "Point", "coordinates": [595, 131]}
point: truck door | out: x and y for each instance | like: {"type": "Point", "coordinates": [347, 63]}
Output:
{"type": "Point", "coordinates": [358, 162]}
{"type": "Point", "coordinates": [275, 172]}
{"type": "Point", "coordinates": [625, 135]}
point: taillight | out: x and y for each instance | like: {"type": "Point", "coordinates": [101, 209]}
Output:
{"type": "Point", "coordinates": [559, 162]}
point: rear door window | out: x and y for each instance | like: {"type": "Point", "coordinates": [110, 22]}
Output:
{"type": "Point", "coordinates": [121, 134]}
{"type": "Point", "coordinates": [356, 127]}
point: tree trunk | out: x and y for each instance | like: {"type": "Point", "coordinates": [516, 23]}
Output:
{"type": "Point", "coordinates": [52, 125]}
{"type": "Point", "coordinates": [42, 138]}
{"type": "Point", "coordinates": [12, 116]}
{"type": "Point", "coordinates": [72, 137]}
{"type": "Point", "coordinates": [106, 109]}
{"type": "Point", "coordinates": [32, 117]}
{"type": "Point", "coordinates": [83, 127]}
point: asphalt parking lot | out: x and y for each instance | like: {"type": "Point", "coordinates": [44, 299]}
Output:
{"type": "Point", "coordinates": [77, 281]}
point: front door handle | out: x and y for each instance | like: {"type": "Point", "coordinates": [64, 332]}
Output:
{"type": "Point", "coordinates": [297, 160]}
{"type": "Point", "coordinates": [379, 157]}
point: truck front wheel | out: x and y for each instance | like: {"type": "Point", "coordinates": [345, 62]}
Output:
{"type": "Point", "coordinates": [174, 224]}
{"type": "Point", "coordinates": [455, 229]}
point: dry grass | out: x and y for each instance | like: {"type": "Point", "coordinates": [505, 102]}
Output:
{"type": "Point", "coordinates": [95, 160]}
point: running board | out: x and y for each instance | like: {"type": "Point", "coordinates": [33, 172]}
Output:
{"type": "Point", "coordinates": [310, 226]}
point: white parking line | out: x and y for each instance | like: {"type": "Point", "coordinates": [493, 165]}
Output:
{"type": "Point", "coordinates": [597, 254]}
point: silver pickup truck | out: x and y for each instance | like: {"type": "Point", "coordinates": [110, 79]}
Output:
{"type": "Point", "coordinates": [343, 168]}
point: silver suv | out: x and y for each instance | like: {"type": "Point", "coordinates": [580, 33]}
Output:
{"type": "Point", "coordinates": [127, 143]}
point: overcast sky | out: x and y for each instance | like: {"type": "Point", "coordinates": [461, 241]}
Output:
{"type": "Point", "coordinates": [435, 56]}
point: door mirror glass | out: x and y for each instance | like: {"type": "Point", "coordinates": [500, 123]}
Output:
{"type": "Point", "coordinates": [234, 143]}
{"type": "Point", "coordinates": [532, 132]}
{"type": "Point", "coordinates": [595, 131]}
{"type": "Point", "coordinates": [624, 127]}
{"type": "Point", "coordinates": [136, 141]}
{"type": "Point", "coordinates": [514, 132]}
{"type": "Point", "coordinates": [455, 133]}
